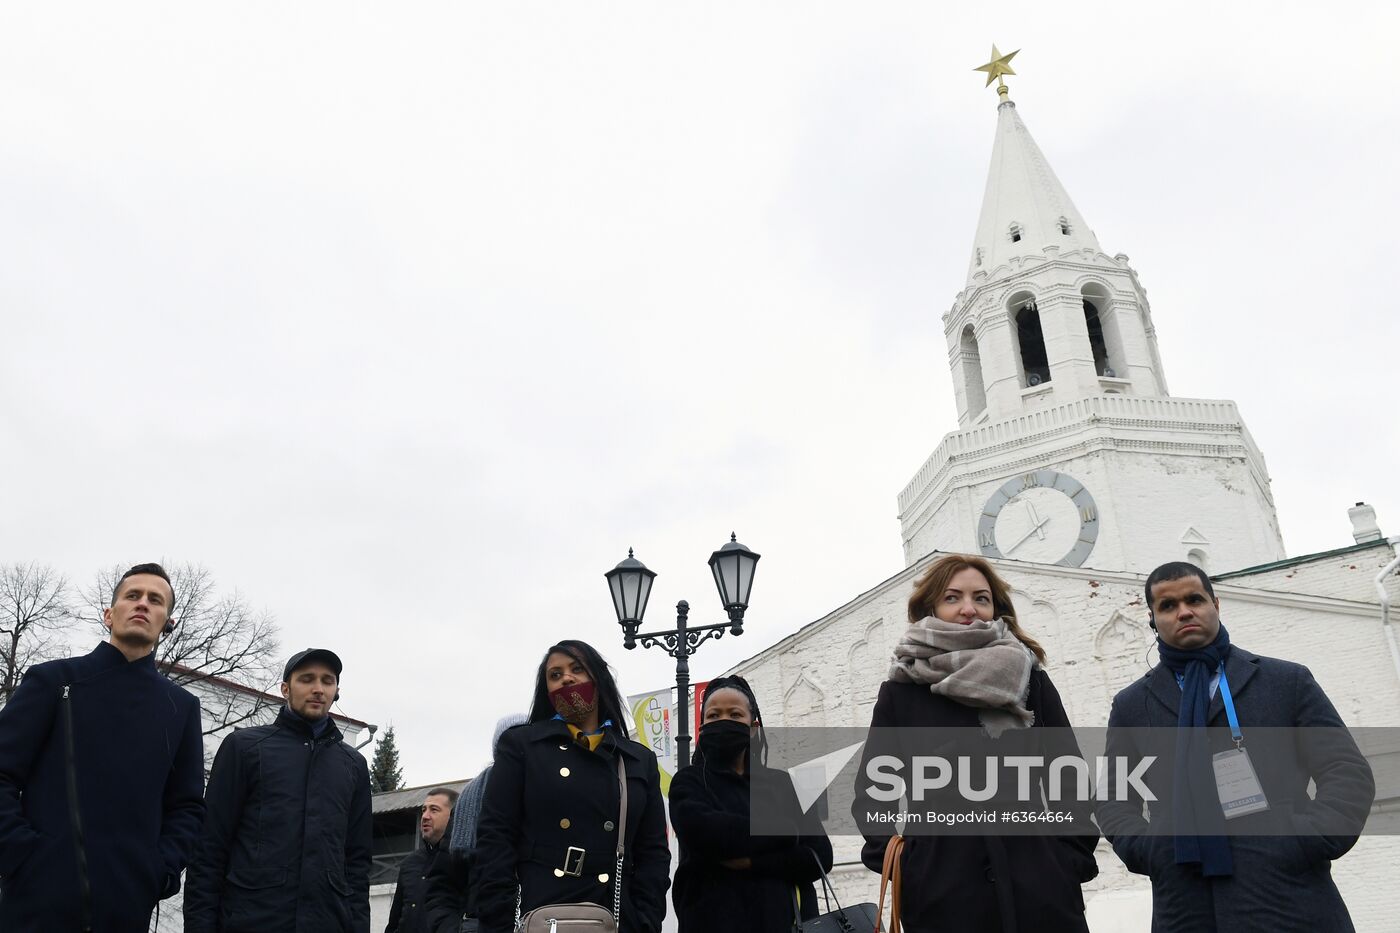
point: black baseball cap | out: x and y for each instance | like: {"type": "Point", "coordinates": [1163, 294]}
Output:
{"type": "Point", "coordinates": [302, 658]}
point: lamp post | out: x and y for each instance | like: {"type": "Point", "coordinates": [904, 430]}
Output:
{"type": "Point", "coordinates": [630, 584]}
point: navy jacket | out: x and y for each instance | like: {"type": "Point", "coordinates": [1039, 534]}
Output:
{"type": "Point", "coordinates": [287, 840]}
{"type": "Point", "coordinates": [1281, 882]}
{"type": "Point", "coordinates": [139, 767]}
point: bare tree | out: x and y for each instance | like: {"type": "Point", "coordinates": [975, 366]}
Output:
{"type": "Point", "coordinates": [35, 604]}
{"type": "Point", "coordinates": [217, 637]}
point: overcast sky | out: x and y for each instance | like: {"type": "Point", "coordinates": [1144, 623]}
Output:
{"type": "Point", "coordinates": [408, 320]}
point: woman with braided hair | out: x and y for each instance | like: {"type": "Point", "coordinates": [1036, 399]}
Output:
{"type": "Point", "coordinates": [730, 880]}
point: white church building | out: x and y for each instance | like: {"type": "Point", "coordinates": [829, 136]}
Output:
{"type": "Point", "coordinates": [1075, 471]}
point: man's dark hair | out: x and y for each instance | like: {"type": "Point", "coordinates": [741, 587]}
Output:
{"type": "Point", "coordinates": [610, 705]}
{"type": "Point", "coordinates": [447, 792]}
{"type": "Point", "coordinates": [155, 570]}
{"type": "Point", "coordinates": [1176, 570]}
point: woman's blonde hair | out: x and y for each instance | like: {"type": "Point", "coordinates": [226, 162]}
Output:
{"type": "Point", "coordinates": [929, 590]}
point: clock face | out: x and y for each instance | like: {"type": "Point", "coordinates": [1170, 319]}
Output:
{"type": "Point", "coordinates": [1046, 517]}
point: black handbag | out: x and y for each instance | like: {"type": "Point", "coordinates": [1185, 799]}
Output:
{"type": "Point", "coordinates": [859, 918]}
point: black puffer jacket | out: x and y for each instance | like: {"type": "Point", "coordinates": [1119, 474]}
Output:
{"type": "Point", "coordinates": [409, 913]}
{"type": "Point", "coordinates": [550, 820]}
{"type": "Point", "coordinates": [286, 844]}
{"type": "Point", "coordinates": [451, 893]}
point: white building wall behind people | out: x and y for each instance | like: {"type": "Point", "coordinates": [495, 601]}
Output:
{"type": "Point", "coordinates": [1076, 473]}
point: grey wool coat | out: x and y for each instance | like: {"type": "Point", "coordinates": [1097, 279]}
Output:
{"type": "Point", "coordinates": [1281, 882]}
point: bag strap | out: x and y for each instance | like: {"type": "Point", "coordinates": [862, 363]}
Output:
{"type": "Point", "coordinates": [890, 875]}
{"type": "Point", "coordinates": [621, 839]}
{"type": "Point", "coordinates": [828, 892]}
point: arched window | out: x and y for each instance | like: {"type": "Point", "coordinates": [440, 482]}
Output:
{"type": "Point", "coordinates": [1105, 341]}
{"type": "Point", "coordinates": [1035, 365]}
{"type": "Point", "coordinates": [975, 390]}
{"type": "Point", "coordinates": [1091, 320]}
{"type": "Point", "coordinates": [1198, 557]}
{"type": "Point", "coordinates": [1015, 233]}
{"type": "Point", "coordinates": [979, 255]}
{"type": "Point", "coordinates": [1064, 226]}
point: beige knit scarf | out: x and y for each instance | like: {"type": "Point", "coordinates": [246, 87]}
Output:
{"type": "Point", "coordinates": [980, 664]}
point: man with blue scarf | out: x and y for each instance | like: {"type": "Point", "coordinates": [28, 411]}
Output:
{"type": "Point", "coordinates": [1267, 864]}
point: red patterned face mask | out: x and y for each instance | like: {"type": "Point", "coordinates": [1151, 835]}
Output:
{"type": "Point", "coordinates": [575, 701]}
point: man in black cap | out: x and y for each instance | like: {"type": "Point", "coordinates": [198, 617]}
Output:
{"type": "Point", "coordinates": [286, 844]}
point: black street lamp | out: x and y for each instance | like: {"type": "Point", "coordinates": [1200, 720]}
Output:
{"type": "Point", "coordinates": [630, 583]}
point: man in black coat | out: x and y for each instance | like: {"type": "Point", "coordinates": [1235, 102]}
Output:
{"type": "Point", "coordinates": [101, 776]}
{"type": "Point", "coordinates": [287, 839]}
{"type": "Point", "coordinates": [409, 911]}
{"type": "Point", "coordinates": [1271, 867]}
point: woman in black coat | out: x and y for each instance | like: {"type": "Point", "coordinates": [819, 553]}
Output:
{"type": "Point", "coordinates": [549, 821]}
{"type": "Point", "coordinates": [729, 879]}
{"type": "Point", "coordinates": [965, 662]}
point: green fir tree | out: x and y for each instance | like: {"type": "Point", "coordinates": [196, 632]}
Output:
{"type": "Point", "coordinates": [384, 772]}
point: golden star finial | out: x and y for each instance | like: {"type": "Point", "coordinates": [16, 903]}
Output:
{"type": "Point", "coordinates": [998, 66]}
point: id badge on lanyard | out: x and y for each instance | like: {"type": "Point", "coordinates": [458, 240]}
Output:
{"type": "Point", "coordinates": [1235, 781]}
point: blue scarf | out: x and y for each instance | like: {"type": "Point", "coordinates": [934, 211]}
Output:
{"type": "Point", "coordinates": [1194, 798]}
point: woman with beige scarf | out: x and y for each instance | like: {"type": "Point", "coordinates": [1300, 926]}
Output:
{"type": "Point", "coordinates": [965, 663]}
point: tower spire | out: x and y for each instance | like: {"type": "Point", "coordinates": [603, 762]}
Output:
{"type": "Point", "coordinates": [1026, 212]}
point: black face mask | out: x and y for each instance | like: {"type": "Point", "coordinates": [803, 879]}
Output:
{"type": "Point", "coordinates": [722, 741]}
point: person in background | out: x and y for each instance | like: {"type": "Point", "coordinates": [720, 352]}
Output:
{"type": "Point", "coordinates": [730, 880]}
{"type": "Point", "coordinates": [1274, 870]}
{"type": "Point", "coordinates": [549, 823]}
{"type": "Point", "coordinates": [451, 893]}
{"type": "Point", "coordinates": [101, 777]}
{"type": "Point", "coordinates": [409, 912]}
{"type": "Point", "coordinates": [287, 836]}
{"type": "Point", "coordinates": [965, 661]}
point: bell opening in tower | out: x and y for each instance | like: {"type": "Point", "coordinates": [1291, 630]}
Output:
{"type": "Point", "coordinates": [1096, 341]}
{"type": "Point", "coordinates": [1035, 364]}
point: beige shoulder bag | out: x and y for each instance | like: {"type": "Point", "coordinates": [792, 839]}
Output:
{"type": "Point", "coordinates": [585, 918]}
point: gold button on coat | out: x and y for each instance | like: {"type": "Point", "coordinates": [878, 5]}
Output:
{"type": "Point", "coordinates": [564, 823]}
{"type": "Point", "coordinates": [563, 772]}
{"type": "Point", "coordinates": [603, 878]}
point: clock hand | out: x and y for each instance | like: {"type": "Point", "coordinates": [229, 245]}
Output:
{"type": "Point", "coordinates": [1027, 535]}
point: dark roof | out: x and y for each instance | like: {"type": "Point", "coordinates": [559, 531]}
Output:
{"type": "Point", "coordinates": [411, 798]}
{"type": "Point", "coordinates": [1302, 559]}
{"type": "Point", "coordinates": [273, 699]}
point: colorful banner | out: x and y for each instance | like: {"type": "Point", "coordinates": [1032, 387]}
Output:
{"type": "Point", "coordinates": [652, 716]}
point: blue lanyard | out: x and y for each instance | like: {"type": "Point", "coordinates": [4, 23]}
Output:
{"type": "Point", "coordinates": [1230, 709]}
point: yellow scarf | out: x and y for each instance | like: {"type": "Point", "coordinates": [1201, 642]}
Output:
{"type": "Point", "coordinates": [594, 739]}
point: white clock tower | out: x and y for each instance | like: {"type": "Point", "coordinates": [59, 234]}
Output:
{"type": "Point", "coordinates": [1070, 449]}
